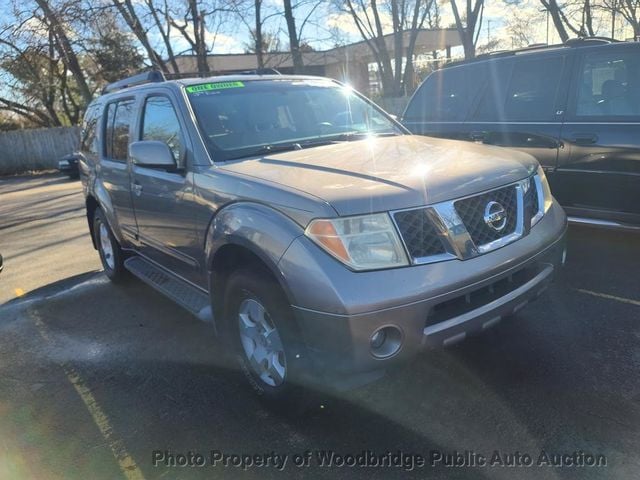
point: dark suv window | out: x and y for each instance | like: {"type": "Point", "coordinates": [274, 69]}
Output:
{"type": "Point", "coordinates": [609, 85]}
{"type": "Point", "coordinates": [522, 90]}
{"type": "Point", "coordinates": [533, 89]}
{"type": "Point", "coordinates": [161, 123]}
{"type": "Point", "coordinates": [117, 129]}
{"type": "Point", "coordinates": [444, 96]}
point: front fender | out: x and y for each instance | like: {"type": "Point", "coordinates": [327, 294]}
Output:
{"type": "Point", "coordinates": [264, 231]}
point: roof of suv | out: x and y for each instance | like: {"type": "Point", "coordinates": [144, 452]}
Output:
{"type": "Point", "coordinates": [599, 42]}
{"type": "Point", "coordinates": [156, 78]}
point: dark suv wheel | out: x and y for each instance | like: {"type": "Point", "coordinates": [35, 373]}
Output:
{"type": "Point", "coordinates": [262, 331]}
{"type": "Point", "coordinates": [111, 254]}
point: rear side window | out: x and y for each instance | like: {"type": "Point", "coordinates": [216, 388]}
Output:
{"type": "Point", "coordinates": [120, 115]}
{"type": "Point", "coordinates": [533, 89]}
{"type": "Point", "coordinates": [160, 123]}
{"type": "Point", "coordinates": [444, 96]}
{"type": "Point", "coordinates": [88, 142]}
{"type": "Point", "coordinates": [609, 85]}
{"type": "Point", "coordinates": [522, 90]}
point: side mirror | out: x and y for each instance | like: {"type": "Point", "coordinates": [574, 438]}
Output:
{"type": "Point", "coordinates": [152, 154]}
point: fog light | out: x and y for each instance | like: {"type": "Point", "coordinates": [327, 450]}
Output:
{"type": "Point", "coordinates": [386, 341]}
{"type": "Point", "coordinates": [564, 256]}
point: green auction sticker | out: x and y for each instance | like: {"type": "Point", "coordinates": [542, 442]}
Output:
{"type": "Point", "coordinates": [206, 87]}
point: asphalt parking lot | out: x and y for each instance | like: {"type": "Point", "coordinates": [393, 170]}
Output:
{"type": "Point", "coordinates": [95, 378]}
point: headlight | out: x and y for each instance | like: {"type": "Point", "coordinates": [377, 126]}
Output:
{"type": "Point", "coordinates": [365, 242]}
{"type": "Point", "coordinates": [546, 190]}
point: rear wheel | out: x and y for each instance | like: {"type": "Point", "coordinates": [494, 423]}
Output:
{"type": "Point", "coordinates": [111, 254]}
{"type": "Point", "coordinates": [266, 343]}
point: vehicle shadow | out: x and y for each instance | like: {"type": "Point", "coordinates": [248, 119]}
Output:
{"type": "Point", "coordinates": [166, 383]}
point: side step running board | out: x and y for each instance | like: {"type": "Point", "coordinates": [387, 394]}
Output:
{"type": "Point", "coordinates": [183, 293]}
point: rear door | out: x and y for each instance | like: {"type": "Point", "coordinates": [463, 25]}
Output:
{"type": "Point", "coordinates": [164, 199]}
{"type": "Point", "coordinates": [522, 105]}
{"type": "Point", "coordinates": [600, 178]}
{"type": "Point", "coordinates": [113, 168]}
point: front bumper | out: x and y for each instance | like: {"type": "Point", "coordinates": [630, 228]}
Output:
{"type": "Point", "coordinates": [432, 305]}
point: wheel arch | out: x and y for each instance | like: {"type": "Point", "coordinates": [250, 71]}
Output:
{"type": "Point", "coordinates": [98, 197]}
{"type": "Point", "coordinates": [247, 234]}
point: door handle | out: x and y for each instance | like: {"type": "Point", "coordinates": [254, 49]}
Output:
{"type": "Point", "coordinates": [584, 138]}
{"type": "Point", "coordinates": [136, 188]}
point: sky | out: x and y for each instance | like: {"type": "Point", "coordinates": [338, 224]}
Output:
{"type": "Point", "coordinates": [325, 23]}
{"type": "Point", "coordinates": [325, 27]}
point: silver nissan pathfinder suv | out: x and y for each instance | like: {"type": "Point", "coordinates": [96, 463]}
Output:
{"type": "Point", "coordinates": [322, 241]}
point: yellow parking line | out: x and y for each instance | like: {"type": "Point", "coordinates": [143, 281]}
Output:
{"type": "Point", "coordinates": [19, 292]}
{"type": "Point", "coordinates": [610, 297]}
{"type": "Point", "coordinates": [125, 461]}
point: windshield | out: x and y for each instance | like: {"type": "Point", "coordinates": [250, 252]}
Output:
{"type": "Point", "coordinates": [244, 118]}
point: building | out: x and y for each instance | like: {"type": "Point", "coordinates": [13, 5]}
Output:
{"type": "Point", "coordinates": [350, 63]}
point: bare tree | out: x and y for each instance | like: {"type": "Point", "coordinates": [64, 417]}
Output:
{"type": "Point", "coordinates": [629, 10]}
{"type": "Point", "coordinates": [193, 28]}
{"type": "Point", "coordinates": [406, 16]}
{"type": "Point", "coordinates": [294, 43]}
{"type": "Point", "coordinates": [63, 45]}
{"type": "Point", "coordinates": [132, 19]}
{"type": "Point", "coordinates": [571, 18]}
{"type": "Point", "coordinates": [469, 25]}
{"type": "Point", "coordinates": [52, 73]}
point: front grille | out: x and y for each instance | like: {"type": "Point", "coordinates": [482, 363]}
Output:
{"type": "Point", "coordinates": [471, 211]}
{"type": "Point", "coordinates": [419, 235]}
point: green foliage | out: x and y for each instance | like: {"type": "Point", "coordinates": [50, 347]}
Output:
{"type": "Point", "coordinates": [116, 56]}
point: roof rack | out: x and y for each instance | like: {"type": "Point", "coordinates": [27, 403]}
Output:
{"type": "Point", "coordinates": [571, 43]}
{"type": "Point", "coordinates": [152, 76]}
{"type": "Point", "coordinates": [260, 71]}
{"type": "Point", "coordinates": [581, 41]}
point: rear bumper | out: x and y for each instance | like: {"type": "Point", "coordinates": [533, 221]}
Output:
{"type": "Point", "coordinates": [465, 298]}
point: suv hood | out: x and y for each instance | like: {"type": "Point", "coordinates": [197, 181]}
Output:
{"type": "Point", "coordinates": [390, 173]}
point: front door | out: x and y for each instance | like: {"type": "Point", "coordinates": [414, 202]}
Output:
{"type": "Point", "coordinates": [163, 199]}
{"type": "Point", "coordinates": [601, 175]}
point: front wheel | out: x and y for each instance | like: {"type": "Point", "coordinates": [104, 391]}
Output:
{"type": "Point", "coordinates": [111, 254]}
{"type": "Point", "coordinates": [265, 340]}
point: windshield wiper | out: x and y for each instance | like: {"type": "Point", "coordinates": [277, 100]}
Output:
{"type": "Point", "coordinates": [284, 147]}
{"type": "Point", "coordinates": [350, 136]}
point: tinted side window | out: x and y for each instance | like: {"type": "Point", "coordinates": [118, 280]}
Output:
{"type": "Point", "coordinates": [444, 96]}
{"type": "Point", "coordinates": [108, 130]}
{"type": "Point", "coordinates": [88, 142]}
{"type": "Point", "coordinates": [609, 85]}
{"type": "Point", "coordinates": [521, 90]}
{"type": "Point", "coordinates": [491, 104]}
{"type": "Point", "coordinates": [121, 129]}
{"type": "Point", "coordinates": [161, 123]}
{"type": "Point", "coordinates": [533, 88]}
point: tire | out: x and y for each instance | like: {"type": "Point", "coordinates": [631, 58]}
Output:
{"type": "Point", "coordinates": [111, 254]}
{"type": "Point", "coordinates": [259, 320]}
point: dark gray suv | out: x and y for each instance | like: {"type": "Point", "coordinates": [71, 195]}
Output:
{"type": "Point", "coordinates": [323, 241]}
{"type": "Point", "coordinates": [575, 107]}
